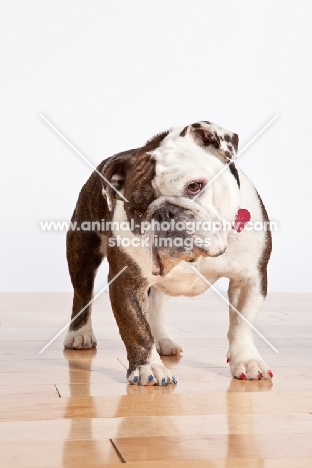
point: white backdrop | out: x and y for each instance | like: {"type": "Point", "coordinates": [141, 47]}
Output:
{"type": "Point", "coordinates": [110, 74]}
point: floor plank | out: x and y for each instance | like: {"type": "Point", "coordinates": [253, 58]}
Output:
{"type": "Point", "coordinates": [61, 408]}
{"type": "Point", "coordinates": [69, 453]}
{"type": "Point", "coordinates": [203, 425]}
{"type": "Point", "coordinates": [232, 446]}
{"type": "Point", "coordinates": [155, 404]}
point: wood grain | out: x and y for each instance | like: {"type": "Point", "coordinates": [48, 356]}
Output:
{"type": "Point", "coordinates": [61, 408]}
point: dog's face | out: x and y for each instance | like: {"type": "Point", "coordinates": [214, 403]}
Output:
{"type": "Point", "coordinates": [177, 184]}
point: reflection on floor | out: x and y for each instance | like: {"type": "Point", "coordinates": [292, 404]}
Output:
{"type": "Point", "coordinates": [75, 409]}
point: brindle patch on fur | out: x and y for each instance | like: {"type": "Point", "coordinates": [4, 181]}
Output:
{"type": "Point", "coordinates": [235, 141]}
{"type": "Point", "coordinates": [205, 138]}
{"type": "Point", "coordinates": [266, 253]}
{"type": "Point", "coordinates": [84, 257]}
{"type": "Point", "coordinates": [155, 141]}
{"type": "Point", "coordinates": [183, 133]}
{"type": "Point", "coordinates": [129, 299]}
{"type": "Point", "coordinates": [116, 166]}
{"type": "Point", "coordinates": [83, 247]}
{"type": "Point", "coordinates": [138, 186]}
{"type": "Point", "coordinates": [234, 171]}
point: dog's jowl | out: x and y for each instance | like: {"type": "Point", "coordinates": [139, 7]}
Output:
{"type": "Point", "coordinates": [179, 215]}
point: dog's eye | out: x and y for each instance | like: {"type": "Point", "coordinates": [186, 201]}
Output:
{"type": "Point", "coordinates": [194, 188]}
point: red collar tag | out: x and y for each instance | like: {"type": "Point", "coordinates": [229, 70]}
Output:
{"type": "Point", "coordinates": [243, 217]}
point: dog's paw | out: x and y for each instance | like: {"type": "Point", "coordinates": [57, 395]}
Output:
{"type": "Point", "coordinates": [151, 374]}
{"type": "Point", "coordinates": [249, 368]}
{"type": "Point", "coordinates": [168, 347]}
{"type": "Point", "coordinates": [80, 340]}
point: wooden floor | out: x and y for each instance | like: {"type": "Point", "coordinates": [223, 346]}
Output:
{"type": "Point", "coordinates": [75, 409]}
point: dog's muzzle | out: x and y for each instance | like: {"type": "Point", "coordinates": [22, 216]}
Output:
{"type": "Point", "coordinates": [172, 239]}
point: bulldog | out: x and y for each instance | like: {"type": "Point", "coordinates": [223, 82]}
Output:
{"type": "Point", "coordinates": [172, 217]}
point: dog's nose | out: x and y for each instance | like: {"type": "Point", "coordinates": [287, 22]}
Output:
{"type": "Point", "coordinates": [165, 213]}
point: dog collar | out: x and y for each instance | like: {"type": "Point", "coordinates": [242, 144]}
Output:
{"type": "Point", "coordinates": [241, 219]}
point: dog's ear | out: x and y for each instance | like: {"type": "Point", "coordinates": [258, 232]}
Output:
{"type": "Point", "coordinates": [215, 139]}
{"type": "Point", "coordinates": [114, 172]}
{"type": "Point", "coordinates": [207, 137]}
{"type": "Point", "coordinates": [235, 141]}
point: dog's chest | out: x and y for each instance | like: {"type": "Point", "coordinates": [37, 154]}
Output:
{"type": "Point", "coordinates": [183, 280]}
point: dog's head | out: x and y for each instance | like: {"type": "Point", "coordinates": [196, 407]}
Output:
{"type": "Point", "coordinates": [182, 183]}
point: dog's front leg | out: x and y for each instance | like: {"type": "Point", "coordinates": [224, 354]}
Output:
{"type": "Point", "coordinates": [243, 356]}
{"type": "Point", "coordinates": [129, 301]}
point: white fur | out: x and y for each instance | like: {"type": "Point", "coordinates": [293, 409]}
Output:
{"type": "Point", "coordinates": [81, 339]}
{"type": "Point", "coordinates": [152, 373]}
{"type": "Point", "coordinates": [179, 161]}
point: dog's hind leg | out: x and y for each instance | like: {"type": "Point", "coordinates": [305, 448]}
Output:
{"type": "Point", "coordinates": [164, 342]}
{"type": "Point", "coordinates": [84, 255]}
